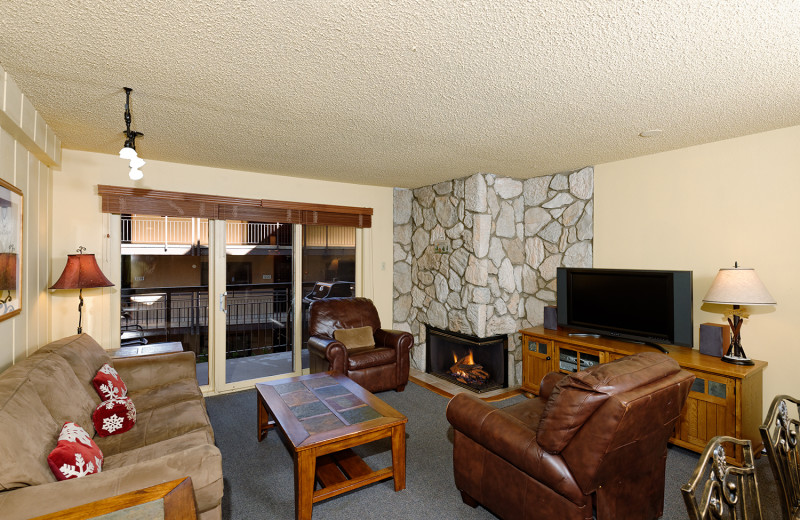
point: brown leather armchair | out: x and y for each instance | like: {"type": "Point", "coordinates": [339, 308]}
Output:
{"type": "Point", "coordinates": [380, 368]}
{"type": "Point", "coordinates": [595, 439]}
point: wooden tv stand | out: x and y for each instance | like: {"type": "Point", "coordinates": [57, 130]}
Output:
{"type": "Point", "coordinates": [725, 399]}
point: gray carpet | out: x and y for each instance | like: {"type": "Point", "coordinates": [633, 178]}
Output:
{"type": "Point", "coordinates": [259, 481]}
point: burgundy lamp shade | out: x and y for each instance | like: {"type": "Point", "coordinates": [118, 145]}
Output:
{"type": "Point", "coordinates": [81, 272]}
{"type": "Point", "coordinates": [8, 271]}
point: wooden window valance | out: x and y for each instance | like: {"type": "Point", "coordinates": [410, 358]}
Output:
{"type": "Point", "coordinates": [121, 200]}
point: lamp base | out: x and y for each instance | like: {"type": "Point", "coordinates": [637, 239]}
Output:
{"type": "Point", "coordinates": [736, 360]}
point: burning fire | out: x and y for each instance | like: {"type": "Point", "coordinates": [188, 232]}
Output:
{"type": "Point", "coordinates": [467, 371]}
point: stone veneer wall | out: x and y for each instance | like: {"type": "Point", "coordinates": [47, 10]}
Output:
{"type": "Point", "coordinates": [478, 255]}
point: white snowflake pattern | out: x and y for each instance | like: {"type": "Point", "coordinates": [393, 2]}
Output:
{"type": "Point", "coordinates": [112, 423]}
{"type": "Point", "coordinates": [108, 370]}
{"type": "Point", "coordinates": [72, 432]}
{"type": "Point", "coordinates": [80, 469]}
{"type": "Point", "coordinates": [131, 410]}
{"type": "Point", "coordinates": [110, 391]}
{"type": "Point", "coordinates": [111, 403]}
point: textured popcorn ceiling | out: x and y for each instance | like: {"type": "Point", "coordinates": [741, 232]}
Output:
{"type": "Point", "coordinates": [404, 93]}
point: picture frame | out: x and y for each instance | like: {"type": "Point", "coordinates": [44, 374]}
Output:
{"type": "Point", "coordinates": [10, 250]}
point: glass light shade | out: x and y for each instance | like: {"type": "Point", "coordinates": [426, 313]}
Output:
{"type": "Point", "coordinates": [137, 162]}
{"type": "Point", "coordinates": [147, 299]}
{"type": "Point", "coordinates": [135, 174]}
{"type": "Point", "coordinates": [738, 286]}
{"type": "Point", "coordinates": [127, 153]}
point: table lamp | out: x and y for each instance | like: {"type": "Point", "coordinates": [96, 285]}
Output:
{"type": "Point", "coordinates": [737, 286]}
{"type": "Point", "coordinates": [81, 272]}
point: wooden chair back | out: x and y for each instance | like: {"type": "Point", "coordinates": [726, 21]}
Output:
{"type": "Point", "coordinates": [728, 492]}
{"type": "Point", "coordinates": [779, 433]}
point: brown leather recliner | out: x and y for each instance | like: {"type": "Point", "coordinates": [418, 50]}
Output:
{"type": "Point", "coordinates": [384, 367]}
{"type": "Point", "coordinates": [595, 439]}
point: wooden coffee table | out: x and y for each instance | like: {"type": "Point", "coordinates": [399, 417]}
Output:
{"type": "Point", "coordinates": [322, 416]}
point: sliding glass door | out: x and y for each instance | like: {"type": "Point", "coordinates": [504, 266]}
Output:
{"type": "Point", "coordinates": [258, 300]}
{"type": "Point", "coordinates": [164, 289]}
{"type": "Point", "coordinates": [229, 290]}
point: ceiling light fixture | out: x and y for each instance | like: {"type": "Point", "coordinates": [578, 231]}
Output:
{"type": "Point", "coordinates": [129, 148]}
{"type": "Point", "coordinates": [651, 133]}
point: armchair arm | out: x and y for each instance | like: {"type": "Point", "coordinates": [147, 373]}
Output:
{"type": "Point", "coordinates": [549, 381]}
{"type": "Point", "coordinates": [141, 372]}
{"type": "Point", "coordinates": [401, 342]}
{"type": "Point", "coordinates": [332, 350]}
{"type": "Point", "coordinates": [510, 439]}
{"type": "Point", "coordinates": [396, 339]}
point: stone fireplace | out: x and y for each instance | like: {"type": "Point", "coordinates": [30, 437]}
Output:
{"type": "Point", "coordinates": [478, 256]}
{"type": "Point", "coordinates": [478, 364]}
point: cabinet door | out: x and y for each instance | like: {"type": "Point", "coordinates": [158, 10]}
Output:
{"type": "Point", "coordinates": [710, 410]}
{"type": "Point", "coordinates": [536, 362]}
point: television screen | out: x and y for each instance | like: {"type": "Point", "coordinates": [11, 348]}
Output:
{"type": "Point", "coordinates": [638, 305]}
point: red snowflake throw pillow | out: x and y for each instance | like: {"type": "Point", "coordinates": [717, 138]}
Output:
{"type": "Point", "coordinates": [114, 416]}
{"type": "Point", "coordinates": [108, 383]}
{"type": "Point", "coordinates": [76, 454]}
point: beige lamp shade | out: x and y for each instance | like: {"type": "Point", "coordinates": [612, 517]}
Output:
{"type": "Point", "coordinates": [738, 286]}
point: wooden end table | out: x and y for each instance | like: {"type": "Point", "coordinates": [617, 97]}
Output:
{"type": "Point", "coordinates": [322, 416]}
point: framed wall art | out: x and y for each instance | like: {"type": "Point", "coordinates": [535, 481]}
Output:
{"type": "Point", "coordinates": [10, 250]}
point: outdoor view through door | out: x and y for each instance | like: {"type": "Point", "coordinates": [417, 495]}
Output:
{"type": "Point", "coordinates": [164, 294]}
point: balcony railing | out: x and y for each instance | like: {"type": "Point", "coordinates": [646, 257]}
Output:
{"type": "Point", "coordinates": [258, 318]}
{"type": "Point", "coordinates": [168, 231]}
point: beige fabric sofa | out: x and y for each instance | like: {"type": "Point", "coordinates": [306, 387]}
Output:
{"type": "Point", "coordinates": [172, 437]}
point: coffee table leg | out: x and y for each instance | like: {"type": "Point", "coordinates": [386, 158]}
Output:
{"type": "Point", "coordinates": [304, 475]}
{"type": "Point", "coordinates": [399, 456]}
{"type": "Point", "coordinates": [263, 418]}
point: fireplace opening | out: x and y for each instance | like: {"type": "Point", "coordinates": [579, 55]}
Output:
{"type": "Point", "coordinates": [478, 364]}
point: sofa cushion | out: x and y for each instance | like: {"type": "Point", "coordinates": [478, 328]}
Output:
{"type": "Point", "coordinates": [108, 383]}
{"type": "Point", "coordinates": [27, 435]}
{"type": "Point", "coordinates": [84, 355]}
{"type": "Point", "coordinates": [202, 463]}
{"type": "Point", "coordinates": [159, 449]}
{"type": "Point", "coordinates": [374, 357]}
{"type": "Point", "coordinates": [166, 394]}
{"type": "Point", "coordinates": [61, 392]}
{"type": "Point", "coordinates": [114, 416]}
{"type": "Point", "coordinates": [157, 425]}
{"type": "Point", "coordinates": [358, 338]}
{"type": "Point", "coordinates": [76, 455]}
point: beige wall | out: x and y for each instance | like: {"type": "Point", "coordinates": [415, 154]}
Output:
{"type": "Point", "coordinates": [704, 207]}
{"type": "Point", "coordinates": [28, 147]}
{"type": "Point", "coordinates": [78, 220]}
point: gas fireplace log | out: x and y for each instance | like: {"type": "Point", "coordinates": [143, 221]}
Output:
{"type": "Point", "coordinates": [464, 370]}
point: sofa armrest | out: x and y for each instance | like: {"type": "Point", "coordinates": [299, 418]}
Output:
{"type": "Point", "coordinates": [549, 381]}
{"type": "Point", "coordinates": [332, 350]}
{"type": "Point", "coordinates": [139, 372]}
{"type": "Point", "coordinates": [202, 463]}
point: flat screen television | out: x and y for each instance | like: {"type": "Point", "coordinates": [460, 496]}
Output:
{"type": "Point", "coordinates": [652, 307]}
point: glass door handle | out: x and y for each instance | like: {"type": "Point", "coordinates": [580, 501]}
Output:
{"type": "Point", "coordinates": [223, 302]}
